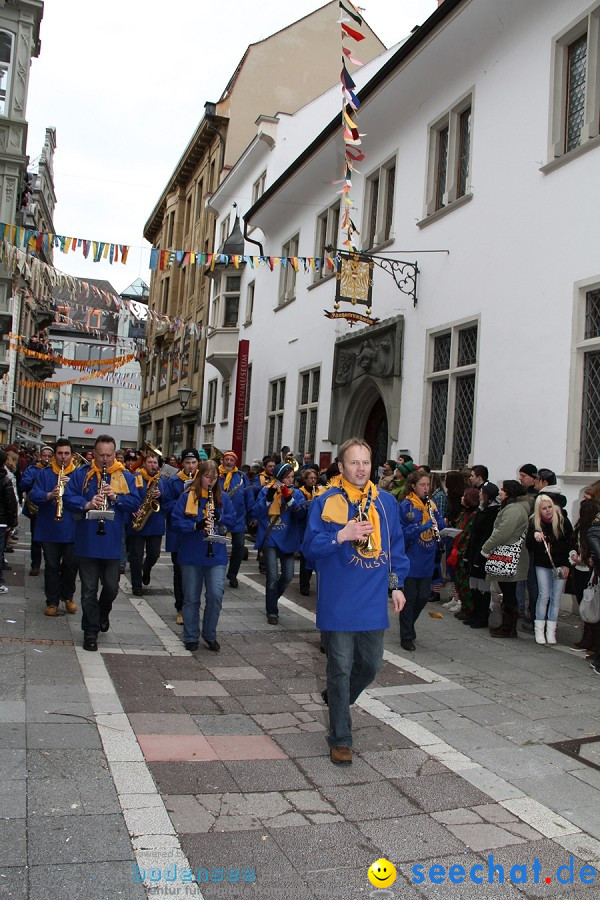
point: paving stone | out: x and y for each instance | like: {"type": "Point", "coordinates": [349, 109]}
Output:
{"type": "Point", "coordinates": [245, 747]}
{"type": "Point", "coordinates": [324, 774]}
{"type": "Point", "coordinates": [143, 723]}
{"type": "Point", "coordinates": [62, 737]}
{"type": "Point", "coordinates": [436, 792]}
{"type": "Point", "coordinates": [269, 703]}
{"type": "Point", "coordinates": [248, 850]}
{"type": "Point", "coordinates": [198, 689]}
{"type": "Point", "coordinates": [298, 743]}
{"type": "Point", "coordinates": [85, 881]}
{"type": "Point", "coordinates": [13, 842]}
{"type": "Point", "coordinates": [13, 799]}
{"type": "Point", "coordinates": [188, 815]}
{"type": "Point", "coordinates": [411, 838]}
{"type": "Point", "coordinates": [309, 801]}
{"type": "Point", "coordinates": [235, 673]}
{"type": "Point", "coordinates": [402, 763]}
{"type": "Point", "coordinates": [191, 778]}
{"type": "Point", "coordinates": [71, 796]}
{"type": "Point", "coordinates": [253, 687]}
{"type": "Point", "coordinates": [458, 816]}
{"type": "Point", "coordinates": [482, 836]}
{"type": "Point", "coordinates": [361, 802]}
{"type": "Point", "coordinates": [74, 839]}
{"type": "Point", "coordinates": [379, 737]}
{"type": "Point", "coordinates": [268, 775]}
{"type": "Point", "coordinates": [316, 847]}
{"type": "Point", "coordinates": [227, 724]}
{"type": "Point", "coordinates": [13, 764]}
{"type": "Point", "coordinates": [12, 711]}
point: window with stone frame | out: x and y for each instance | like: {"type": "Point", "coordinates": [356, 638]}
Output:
{"type": "Point", "coordinates": [211, 402]}
{"type": "Point", "coordinates": [449, 156]}
{"type": "Point", "coordinates": [450, 397]}
{"type": "Point", "coordinates": [379, 205]}
{"type": "Point", "coordinates": [258, 188]}
{"type": "Point", "coordinates": [287, 275]}
{"type": "Point", "coordinates": [585, 389]}
{"type": "Point", "coordinates": [275, 415]}
{"type": "Point", "coordinates": [6, 61]}
{"type": "Point", "coordinates": [249, 302]}
{"type": "Point", "coordinates": [309, 386]}
{"type": "Point", "coordinates": [328, 226]}
{"type": "Point", "coordinates": [575, 86]}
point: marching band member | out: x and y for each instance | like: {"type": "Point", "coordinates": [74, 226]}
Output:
{"type": "Point", "coordinates": [237, 487]}
{"type": "Point", "coordinates": [198, 513]}
{"type": "Point", "coordinates": [310, 489]}
{"type": "Point", "coordinates": [55, 529]}
{"type": "Point", "coordinates": [148, 538]}
{"type": "Point", "coordinates": [278, 510]}
{"type": "Point", "coordinates": [27, 481]}
{"type": "Point", "coordinates": [174, 488]}
{"type": "Point", "coordinates": [421, 523]}
{"type": "Point", "coordinates": [101, 485]}
{"type": "Point", "coordinates": [354, 538]}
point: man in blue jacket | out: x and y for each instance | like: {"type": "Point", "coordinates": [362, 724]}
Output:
{"type": "Point", "coordinates": [55, 529]}
{"type": "Point", "coordinates": [149, 538]}
{"type": "Point", "coordinates": [104, 484]}
{"type": "Point", "coordinates": [29, 511]}
{"type": "Point", "coordinates": [354, 539]}
{"type": "Point", "coordinates": [237, 487]}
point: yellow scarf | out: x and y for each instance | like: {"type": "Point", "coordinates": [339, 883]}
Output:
{"type": "Point", "coordinates": [419, 504]}
{"type": "Point", "coordinates": [225, 472]}
{"type": "Point", "coordinates": [336, 510]}
{"type": "Point", "coordinates": [308, 494]}
{"type": "Point", "coordinates": [68, 469]}
{"type": "Point", "coordinates": [191, 504]}
{"type": "Point", "coordinates": [266, 480]}
{"type": "Point", "coordinates": [141, 475]}
{"type": "Point", "coordinates": [117, 479]}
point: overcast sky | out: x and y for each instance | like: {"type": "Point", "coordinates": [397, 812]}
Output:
{"type": "Point", "coordinates": [125, 83]}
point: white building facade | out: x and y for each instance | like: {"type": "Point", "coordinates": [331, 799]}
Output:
{"type": "Point", "coordinates": [482, 167]}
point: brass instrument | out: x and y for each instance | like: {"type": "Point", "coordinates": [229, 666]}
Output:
{"type": "Point", "coordinates": [58, 515]}
{"type": "Point", "coordinates": [101, 530]}
{"type": "Point", "coordinates": [291, 460]}
{"type": "Point", "coordinates": [153, 449]}
{"type": "Point", "coordinates": [149, 505]}
{"type": "Point", "coordinates": [366, 545]}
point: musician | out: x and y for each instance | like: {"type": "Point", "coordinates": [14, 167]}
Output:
{"type": "Point", "coordinates": [198, 512]}
{"type": "Point", "coordinates": [98, 549]}
{"type": "Point", "coordinates": [56, 536]}
{"type": "Point", "coordinates": [237, 487]}
{"type": "Point", "coordinates": [149, 538]}
{"type": "Point", "coordinates": [357, 562]}
{"type": "Point", "coordinates": [267, 476]}
{"type": "Point", "coordinates": [310, 489]}
{"type": "Point", "coordinates": [173, 490]}
{"type": "Point", "coordinates": [421, 523]}
{"type": "Point", "coordinates": [27, 481]}
{"type": "Point", "coordinates": [278, 510]}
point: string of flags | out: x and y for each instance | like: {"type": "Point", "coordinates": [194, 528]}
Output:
{"type": "Point", "coordinates": [118, 403]}
{"type": "Point", "coordinates": [16, 343]}
{"type": "Point", "coordinates": [97, 373]}
{"type": "Point", "coordinates": [350, 103]}
{"type": "Point", "coordinates": [36, 241]}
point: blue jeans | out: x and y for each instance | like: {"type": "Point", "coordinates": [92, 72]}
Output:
{"type": "Point", "coordinates": [417, 592]}
{"type": "Point", "coordinates": [550, 590]}
{"type": "Point", "coordinates": [532, 590]}
{"type": "Point", "coordinates": [238, 542]}
{"type": "Point", "coordinates": [276, 584]}
{"type": "Point", "coordinates": [353, 660]}
{"type": "Point", "coordinates": [192, 578]}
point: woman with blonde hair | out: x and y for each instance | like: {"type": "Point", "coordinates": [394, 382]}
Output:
{"type": "Point", "coordinates": [548, 540]}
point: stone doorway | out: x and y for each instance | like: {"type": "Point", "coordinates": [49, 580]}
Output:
{"type": "Point", "coordinates": [376, 434]}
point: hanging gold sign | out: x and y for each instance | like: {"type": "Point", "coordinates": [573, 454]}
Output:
{"type": "Point", "coordinates": [354, 285]}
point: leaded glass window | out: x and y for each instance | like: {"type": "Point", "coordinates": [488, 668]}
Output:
{"type": "Point", "coordinates": [437, 423]}
{"type": "Point", "coordinates": [590, 414]}
{"type": "Point", "coordinates": [576, 78]}
{"type": "Point", "coordinates": [464, 151]}
{"type": "Point", "coordinates": [441, 352]}
{"type": "Point", "coordinates": [275, 425]}
{"type": "Point", "coordinates": [463, 420]}
{"type": "Point", "coordinates": [308, 405]}
{"type": "Point", "coordinates": [374, 187]}
{"type": "Point", "coordinates": [592, 314]}
{"type": "Point", "coordinates": [442, 167]}
{"type": "Point", "coordinates": [467, 346]}
{"type": "Point", "coordinates": [389, 201]}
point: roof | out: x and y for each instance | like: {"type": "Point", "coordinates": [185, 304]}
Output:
{"type": "Point", "coordinates": [405, 50]}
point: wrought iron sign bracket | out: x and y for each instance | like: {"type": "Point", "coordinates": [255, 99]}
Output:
{"type": "Point", "coordinates": [404, 274]}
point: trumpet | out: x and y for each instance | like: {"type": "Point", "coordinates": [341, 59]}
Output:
{"type": "Point", "coordinates": [366, 545]}
{"type": "Point", "coordinates": [101, 530]}
{"type": "Point", "coordinates": [58, 515]}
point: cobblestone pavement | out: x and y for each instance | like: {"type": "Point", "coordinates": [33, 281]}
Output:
{"type": "Point", "coordinates": [122, 770]}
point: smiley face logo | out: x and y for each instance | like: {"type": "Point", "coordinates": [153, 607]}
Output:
{"type": "Point", "coordinates": [382, 873]}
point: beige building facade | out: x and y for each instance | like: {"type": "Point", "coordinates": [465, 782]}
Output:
{"type": "Point", "coordinates": [280, 74]}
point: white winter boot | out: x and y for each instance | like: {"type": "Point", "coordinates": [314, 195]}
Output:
{"type": "Point", "coordinates": [539, 631]}
{"type": "Point", "coordinates": [550, 632]}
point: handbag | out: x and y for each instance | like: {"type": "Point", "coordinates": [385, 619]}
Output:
{"type": "Point", "coordinates": [503, 560]}
{"type": "Point", "coordinates": [589, 608]}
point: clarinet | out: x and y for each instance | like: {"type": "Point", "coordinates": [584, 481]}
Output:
{"type": "Point", "coordinates": [101, 530]}
{"type": "Point", "coordinates": [434, 524]}
{"type": "Point", "coordinates": [210, 523]}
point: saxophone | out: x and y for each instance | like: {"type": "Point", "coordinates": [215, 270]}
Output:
{"type": "Point", "coordinates": [149, 506]}
{"type": "Point", "coordinates": [59, 500]}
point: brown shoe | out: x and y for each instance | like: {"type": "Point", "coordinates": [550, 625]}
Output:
{"type": "Point", "coordinates": [341, 756]}
{"type": "Point", "coordinates": [179, 619]}
{"type": "Point", "coordinates": [51, 611]}
{"type": "Point", "coordinates": [70, 606]}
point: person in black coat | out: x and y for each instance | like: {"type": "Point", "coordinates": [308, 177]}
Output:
{"type": "Point", "coordinates": [482, 527]}
{"type": "Point", "coordinates": [8, 513]}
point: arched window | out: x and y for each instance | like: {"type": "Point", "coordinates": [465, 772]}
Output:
{"type": "Point", "coordinates": [6, 55]}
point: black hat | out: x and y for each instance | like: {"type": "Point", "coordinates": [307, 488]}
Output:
{"type": "Point", "coordinates": [130, 454]}
{"type": "Point", "coordinates": [546, 475]}
{"type": "Point", "coordinates": [192, 453]}
{"type": "Point", "coordinates": [490, 489]}
{"type": "Point", "coordinates": [529, 469]}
